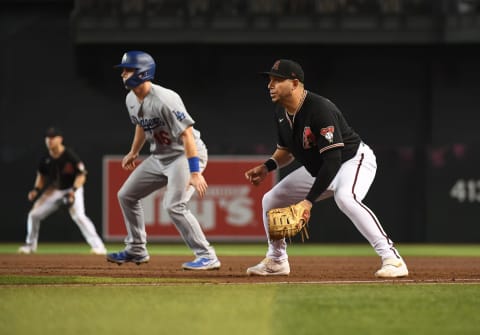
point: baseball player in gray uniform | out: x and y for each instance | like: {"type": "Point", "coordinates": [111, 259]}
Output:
{"type": "Point", "coordinates": [178, 157]}
{"type": "Point", "coordinates": [60, 179]}
{"type": "Point", "coordinates": [335, 163]}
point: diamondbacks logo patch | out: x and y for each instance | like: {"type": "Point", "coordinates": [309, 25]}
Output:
{"type": "Point", "coordinates": [68, 169]}
{"type": "Point", "coordinates": [309, 139]}
{"type": "Point", "coordinates": [276, 65]}
{"type": "Point", "coordinates": [328, 133]}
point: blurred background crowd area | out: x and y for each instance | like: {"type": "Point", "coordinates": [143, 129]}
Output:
{"type": "Point", "coordinates": [403, 72]}
{"type": "Point", "coordinates": [288, 16]}
{"type": "Point", "coordinates": [275, 8]}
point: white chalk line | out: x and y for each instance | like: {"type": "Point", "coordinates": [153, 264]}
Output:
{"type": "Point", "coordinates": [456, 281]}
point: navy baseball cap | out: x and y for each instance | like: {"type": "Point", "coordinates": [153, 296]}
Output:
{"type": "Point", "coordinates": [52, 132]}
{"type": "Point", "coordinates": [287, 69]}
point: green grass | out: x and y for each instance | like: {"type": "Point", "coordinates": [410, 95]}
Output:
{"type": "Point", "coordinates": [242, 309]}
{"type": "Point", "coordinates": [259, 249]}
{"type": "Point", "coordinates": [89, 305]}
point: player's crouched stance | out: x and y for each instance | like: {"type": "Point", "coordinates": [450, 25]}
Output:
{"type": "Point", "coordinates": [61, 175]}
{"type": "Point", "coordinates": [335, 162]}
{"type": "Point", "coordinates": [178, 157]}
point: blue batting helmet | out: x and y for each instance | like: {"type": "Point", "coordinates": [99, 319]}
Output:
{"type": "Point", "coordinates": [143, 64]}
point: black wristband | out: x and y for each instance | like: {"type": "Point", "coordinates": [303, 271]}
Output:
{"type": "Point", "coordinates": [270, 164]}
{"type": "Point", "coordinates": [74, 188]}
{"type": "Point", "coordinates": [36, 189]}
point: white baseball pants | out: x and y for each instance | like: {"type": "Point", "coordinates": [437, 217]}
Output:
{"type": "Point", "coordinates": [349, 188]}
{"type": "Point", "coordinates": [49, 202]}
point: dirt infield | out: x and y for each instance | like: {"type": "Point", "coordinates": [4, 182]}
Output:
{"type": "Point", "coordinates": [303, 268]}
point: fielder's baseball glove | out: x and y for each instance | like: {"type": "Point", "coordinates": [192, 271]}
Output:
{"type": "Point", "coordinates": [288, 222]}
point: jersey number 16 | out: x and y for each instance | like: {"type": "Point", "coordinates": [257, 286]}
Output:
{"type": "Point", "coordinates": [162, 138]}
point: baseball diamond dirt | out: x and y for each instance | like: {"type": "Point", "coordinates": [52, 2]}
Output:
{"type": "Point", "coordinates": [304, 269]}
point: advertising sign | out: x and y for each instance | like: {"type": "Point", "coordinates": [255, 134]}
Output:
{"type": "Point", "coordinates": [230, 211]}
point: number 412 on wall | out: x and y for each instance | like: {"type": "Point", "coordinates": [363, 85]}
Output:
{"type": "Point", "coordinates": [466, 190]}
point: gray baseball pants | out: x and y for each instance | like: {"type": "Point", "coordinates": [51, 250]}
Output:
{"type": "Point", "coordinates": [151, 175]}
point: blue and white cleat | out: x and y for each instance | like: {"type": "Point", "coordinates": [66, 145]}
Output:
{"type": "Point", "coordinates": [124, 257]}
{"type": "Point", "coordinates": [202, 263]}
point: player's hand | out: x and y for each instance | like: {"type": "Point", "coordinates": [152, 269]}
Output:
{"type": "Point", "coordinates": [305, 204]}
{"type": "Point", "coordinates": [128, 162]}
{"type": "Point", "coordinates": [32, 195]}
{"type": "Point", "coordinates": [257, 174]}
{"type": "Point", "coordinates": [69, 198]}
{"type": "Point", "coordinates": [198, 181]}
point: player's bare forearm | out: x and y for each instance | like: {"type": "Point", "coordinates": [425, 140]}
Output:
{"type": "Point", "coordinates": [39, 181]}
{"type": "Point", "coordinates": [128, 162]}
{"type": "Point", "coordinates": [189, 143]}
{"type": "Point", "coordinates": [79, 181]}
{"type": "Point", "coordinates": [282, 157]}
{"type": "Point", "coordinates": [196, 178]}
{"type": "Point", "coordinates": [37, 187]}
{"type": "Point", "coordinates": [138, 140]}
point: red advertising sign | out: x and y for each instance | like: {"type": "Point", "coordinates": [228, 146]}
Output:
{"type": "Point", "coordinates": [230, 211]}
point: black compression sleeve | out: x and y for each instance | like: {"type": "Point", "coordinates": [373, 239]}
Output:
{"type": "Point", "coordinates": [332, 160]}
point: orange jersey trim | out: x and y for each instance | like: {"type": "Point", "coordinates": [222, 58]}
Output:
{"type": "Point", "coordinates": [328, 147]}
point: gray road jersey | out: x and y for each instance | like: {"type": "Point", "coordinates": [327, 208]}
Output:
{"type": "Point", "coordinates": [163, 117]}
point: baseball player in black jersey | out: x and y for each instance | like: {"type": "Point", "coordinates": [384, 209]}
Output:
{"type": "Point", "coordinates": [60, 178]}
{"type": "Point", "coordinates": [335, 162]}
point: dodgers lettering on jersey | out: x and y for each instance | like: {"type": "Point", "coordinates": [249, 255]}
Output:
{"type": "Point", "coordinates": [317, 127]}
{"type": "Point", "coordinates": [148, 124]}
{"type": "Point", "coordinates": [163, 117]}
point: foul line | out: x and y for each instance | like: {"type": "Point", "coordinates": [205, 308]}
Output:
{"type": "Point", "coordinates": [456, 281]}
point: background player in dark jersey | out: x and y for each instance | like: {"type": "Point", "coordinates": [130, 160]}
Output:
{"type": "Point", "coordinates": [335, 162]}
{"type": "Point", "coordinates": [60, 178]}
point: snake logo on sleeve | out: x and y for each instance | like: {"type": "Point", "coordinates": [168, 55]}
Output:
{"type": "Point", "coordinates": [328, 133]}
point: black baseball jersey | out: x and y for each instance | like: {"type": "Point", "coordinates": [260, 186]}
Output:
{"type": "Point", "coordinates": [61, 172]}
{"type": "Point", "coordinates": [316, 128]}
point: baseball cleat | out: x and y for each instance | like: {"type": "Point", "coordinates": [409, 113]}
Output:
{"type": "Point", "coordinates": [98, 251]}
{"type": "Point", "coordinates": [124, 257]}
{"type": "Point", "coordinates": [392, 268]}
{"type": "Point", "coordinates": [270, 267]}
{"type": "Point", "coordinates": [26, 250]}
{"type": "Point", "coordinates": [202, 263]}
